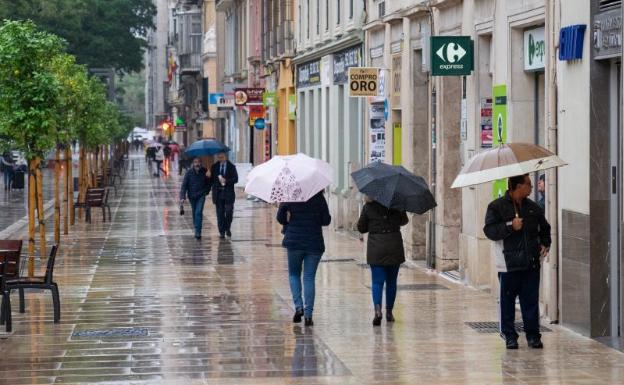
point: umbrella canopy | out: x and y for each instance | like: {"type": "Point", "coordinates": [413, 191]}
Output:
{"type": "Point", "coordinates": [394, 187]}
{"type": "Point", "coordinates": [153, 144]}
{"type": "Point", "coordinates": [293, 178]}
{"type": "Point", "coordinates": [206, 147]}
{"type": "Point", "coordinates": [506, 161]}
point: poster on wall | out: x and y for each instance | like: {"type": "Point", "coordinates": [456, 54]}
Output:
{"type": "Point", "coordinates": [486, 123]}
{"type": "Point", "coordinates": [499, 137]}
{"type": "Point", "coordinates": [377, 133]}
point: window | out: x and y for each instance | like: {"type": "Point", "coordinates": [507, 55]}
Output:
{"type": "Point", "coordinates": [326, 15]}
{"type": "Point", "coordinates": [338, 11]}
{"type": "Point", "coordinates": [308, 24]}
{"type": "Point", "coordinates": [351, 9]}
{"type": "Point", "coordinates": [318, 17]}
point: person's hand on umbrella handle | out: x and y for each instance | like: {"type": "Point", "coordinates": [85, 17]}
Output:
{"type": "Point", "coordinates": [517, 224]}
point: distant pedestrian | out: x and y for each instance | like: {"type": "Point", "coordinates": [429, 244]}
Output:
{"type": "Point", "coordinates": [303, 224]}
{"type": "Point", "coordinates": [384, 252]}
{"type": "Point", "coordinates": [195, 187]}
{"type": "Point", "coordinates": [159, 157]}
{"type": "Point", "coordinates": [224, 176]}
{"type": "Point", "coordinates": [183, 163]}
{"type": "Point", "coordinates": [8, 169]}
{"type": "Point", "coordinates": [541, 191]}
{"type": "Point", "coordinates": [521, 231]}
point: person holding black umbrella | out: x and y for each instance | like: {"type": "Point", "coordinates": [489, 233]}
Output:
{"type": "Point", "coordinates": [384, 252]}
{"type": "Point", "coordinates": [223, 176]}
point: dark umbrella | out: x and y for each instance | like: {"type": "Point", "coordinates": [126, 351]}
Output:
{"type": "Point", "coordinates": [206, 147]}
{"type": "Point", "coordinates": [394, 187]}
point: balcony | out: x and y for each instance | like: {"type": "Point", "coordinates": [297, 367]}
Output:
{"type": "Point", "coordinates": [190, 63]}
{"type": "Point", "coordinates": [223, 5]}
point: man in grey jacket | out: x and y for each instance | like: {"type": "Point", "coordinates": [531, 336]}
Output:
{"type": "Point", "coordinates": [518, 226]}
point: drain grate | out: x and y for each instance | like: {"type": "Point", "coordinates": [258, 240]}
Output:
{"type": "Point", "coordinates": [493, 327]}
{"type": "Point", "coordinates": [337, 260]}
{"type": "Point", "coordinates": [112, 333]}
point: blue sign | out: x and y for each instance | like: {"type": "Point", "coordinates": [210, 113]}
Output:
{"type": "Point", "coordinates": [260, 124]}
{"type": "Point", "coordinates": [214, 98]}
{"type": "Point", "coordinates": [386, 109]}
{"type": "Point", "coordinates": [571, 42]}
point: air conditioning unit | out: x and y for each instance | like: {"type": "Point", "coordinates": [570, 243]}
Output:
{"type": "Point", "coordinates": [607, 5]}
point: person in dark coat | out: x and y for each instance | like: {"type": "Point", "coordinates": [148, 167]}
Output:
{"type": "Point", "coordinates": [303, 239]}
{"type": "Point", "coordinates": [223, 177]}
{"type": "Point", "coordinates": [8, 169]}
{"type": "Point", "coordinates": [384, 252]}
{"type": "Point", "coordinates": [522, 236]}
{"type": "Point", "coordinates": [195, 186]}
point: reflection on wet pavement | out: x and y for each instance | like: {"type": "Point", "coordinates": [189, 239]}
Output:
{"type": "Point", "coordinates": [143, 302]}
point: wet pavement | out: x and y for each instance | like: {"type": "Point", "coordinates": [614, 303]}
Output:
{"type": "Point", "coordinates": [143, 302]}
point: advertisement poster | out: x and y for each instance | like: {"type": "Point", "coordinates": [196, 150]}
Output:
{"type": "Point", "coordinates": [245, 96]}
{"type": "Point", "coordinates": [255, 113]}
{"type": "Point", "coordinates": [486, 123]}
{"type": "Point", "coordinates": [377, 137]}
{"type": "Point", "coordinates": [499, 118]}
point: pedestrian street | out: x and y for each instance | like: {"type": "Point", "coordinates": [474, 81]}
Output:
{"type": "Point", "coordinates": [144, 302]}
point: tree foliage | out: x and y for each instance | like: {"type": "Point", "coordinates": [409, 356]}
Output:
{"type": "Point", "coordinates": [100, 33]}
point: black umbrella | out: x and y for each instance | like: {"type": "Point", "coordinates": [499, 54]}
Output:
{"type": "Point", "coordinates": [394, 187]}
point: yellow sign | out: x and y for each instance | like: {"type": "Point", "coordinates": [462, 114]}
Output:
{"type": "Point", "coordinates": [363, 81]}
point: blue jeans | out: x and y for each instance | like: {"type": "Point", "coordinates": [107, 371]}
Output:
{"type": "Point", "coordinates": [523, 284]}
{"type": "Point", "coordinates": [197, 208]}
{"type": "Point", "coordinates": [387, 275]}
{"type": "Point", "coordinates": [299, 260]}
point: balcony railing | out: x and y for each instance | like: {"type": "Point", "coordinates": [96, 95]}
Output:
{"type": "Point", "coordinates": [190, 63]}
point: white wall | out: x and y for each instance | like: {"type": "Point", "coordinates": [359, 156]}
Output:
{"type": "Point", "coordinates": [573, 87]}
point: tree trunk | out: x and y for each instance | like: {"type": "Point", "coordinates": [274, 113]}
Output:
{"type": "Point", "coordinates": [68, 210]}
{"type": "Point", "coordinates": [40, 213]}
{"type": "Point", "coordinates": [32, 165]}
{"type": "Point", "coordinates": [82, 181]}
{"type": "Point", "coordinates": [57, 197]}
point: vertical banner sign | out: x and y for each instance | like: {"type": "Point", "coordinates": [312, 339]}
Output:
{"type": "Point", "coordinates": [486, 123]}
{"type": "Point", "coordinates": [397, 144]}
{"type": "Point", "coordinates": [377, 137]}
{"type": "Point", "coordinates": [292, 107]}
{"type": "Point", "coordinates": [499, 117]}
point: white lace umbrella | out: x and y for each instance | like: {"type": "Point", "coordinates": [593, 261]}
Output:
{"type": "Point", "coordinates": [292, 178]}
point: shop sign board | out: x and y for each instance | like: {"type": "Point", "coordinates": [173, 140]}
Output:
{"type": "Point", "coordinates": [499, 117]}
{"type": "Point", "coordinates": [345, 59]}
{"type": "Point", "coordinates": [248, 96]}
{"type": "Point", "coordinates": [309, 74]}
{"type": "Point", "coordinates": [255, 112]}
{"type": "Point", "coordinates": [534, 49]}
{"type": "Point", "coordinates": [269, 99]}
{"type": "Point", "coordinates": [292, 107]}
{"type": "Point", "coordinates": [571, 42]}
{"type": "Point", "coordinates": [363, 81]}
{"type": "Point", "coordinates": [607, 34]}
{"type": "Point", "coordinates": [452, 55]}
{"type": "Point", "coordinates": [214, 98]}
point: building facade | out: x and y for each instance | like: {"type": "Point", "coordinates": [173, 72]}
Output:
{"type": "Point", "coordinates": [329, 40]}
{"type": "Point", "coordinates": [156, 82]}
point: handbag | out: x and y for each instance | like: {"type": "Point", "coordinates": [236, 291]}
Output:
{"type": "Point", "coordinates": [181, 208]}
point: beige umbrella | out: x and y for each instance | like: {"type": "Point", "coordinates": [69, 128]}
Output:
{"type": "Point", "coordinates": [506, 161]}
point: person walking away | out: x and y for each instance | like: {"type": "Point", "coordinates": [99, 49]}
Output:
{"type": "Point", "coordinates": [224, 176]}
{"type": "Point", "coordinates": [7, 169]}
{"type": "Point", "coordinates": [159, 157]}
{"type": "Point", "coordinates": [195, 187]}
{"type": "Point", "coordinates": [541, 191]}
{"type": "Point", "coordinates": [522, 235]}
{"type": "Point", "coordinates": [384, 252]}
{"type": "Point", "coordinates": [303, 224]}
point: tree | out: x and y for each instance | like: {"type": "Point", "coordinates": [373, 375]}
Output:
{"type": "Point", "coordinates": [100, 33]}
{"type": "Point", "coordinates": [29, 94]}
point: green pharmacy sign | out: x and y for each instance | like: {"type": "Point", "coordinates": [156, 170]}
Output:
{"type": "Point", "coordinates": [499, 120]}
{"type": "Point", "coordinates": [452, 55]}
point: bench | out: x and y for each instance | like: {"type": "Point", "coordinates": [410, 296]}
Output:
{"type": "Point", "coordinates": [95, 197]}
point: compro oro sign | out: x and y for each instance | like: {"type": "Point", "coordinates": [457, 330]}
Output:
{"type": "Point", "coordinates": [452, 55]}
{"type": "Point", "coordinates": [363, 81]}
{"type": "Point", "coordinates": [534, 49]}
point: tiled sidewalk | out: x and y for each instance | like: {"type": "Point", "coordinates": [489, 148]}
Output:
{"type": "Point", "coordinates": [145, 303]}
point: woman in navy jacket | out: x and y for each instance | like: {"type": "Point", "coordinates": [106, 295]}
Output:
{"type": "Point", "coordinates": [303, 238]}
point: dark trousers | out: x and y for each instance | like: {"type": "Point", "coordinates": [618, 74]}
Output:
{"type": "Point", "coordinates": [225, 211]}
{"type": "Point", "coordinates": [384, 275]}
{"type": "Point", "coordinates": [523, 284]}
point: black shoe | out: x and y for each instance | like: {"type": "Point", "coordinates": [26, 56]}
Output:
{"type": "Point", "coordinates": [511, 343]}
{"type": "Point", "coordinates": [228, 233]}
{"type": "Point", "coordinates": [197, 236]}
{"type": "Point", "coordinates": [389, 315]}
{"type": "Point", "coordinates": [535, 343]}
{"type": "Point", "coordinates": [377, 320]}
{"type": "Point", "coordinates": [298, 315]}
{"type": "Point", "coordinates": [221, 236]}
{"type": "Point", "coordinates": [309, 322]}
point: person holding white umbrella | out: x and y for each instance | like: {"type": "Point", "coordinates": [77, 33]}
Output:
{"type": "Point", "coordinates": [297, 183]}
